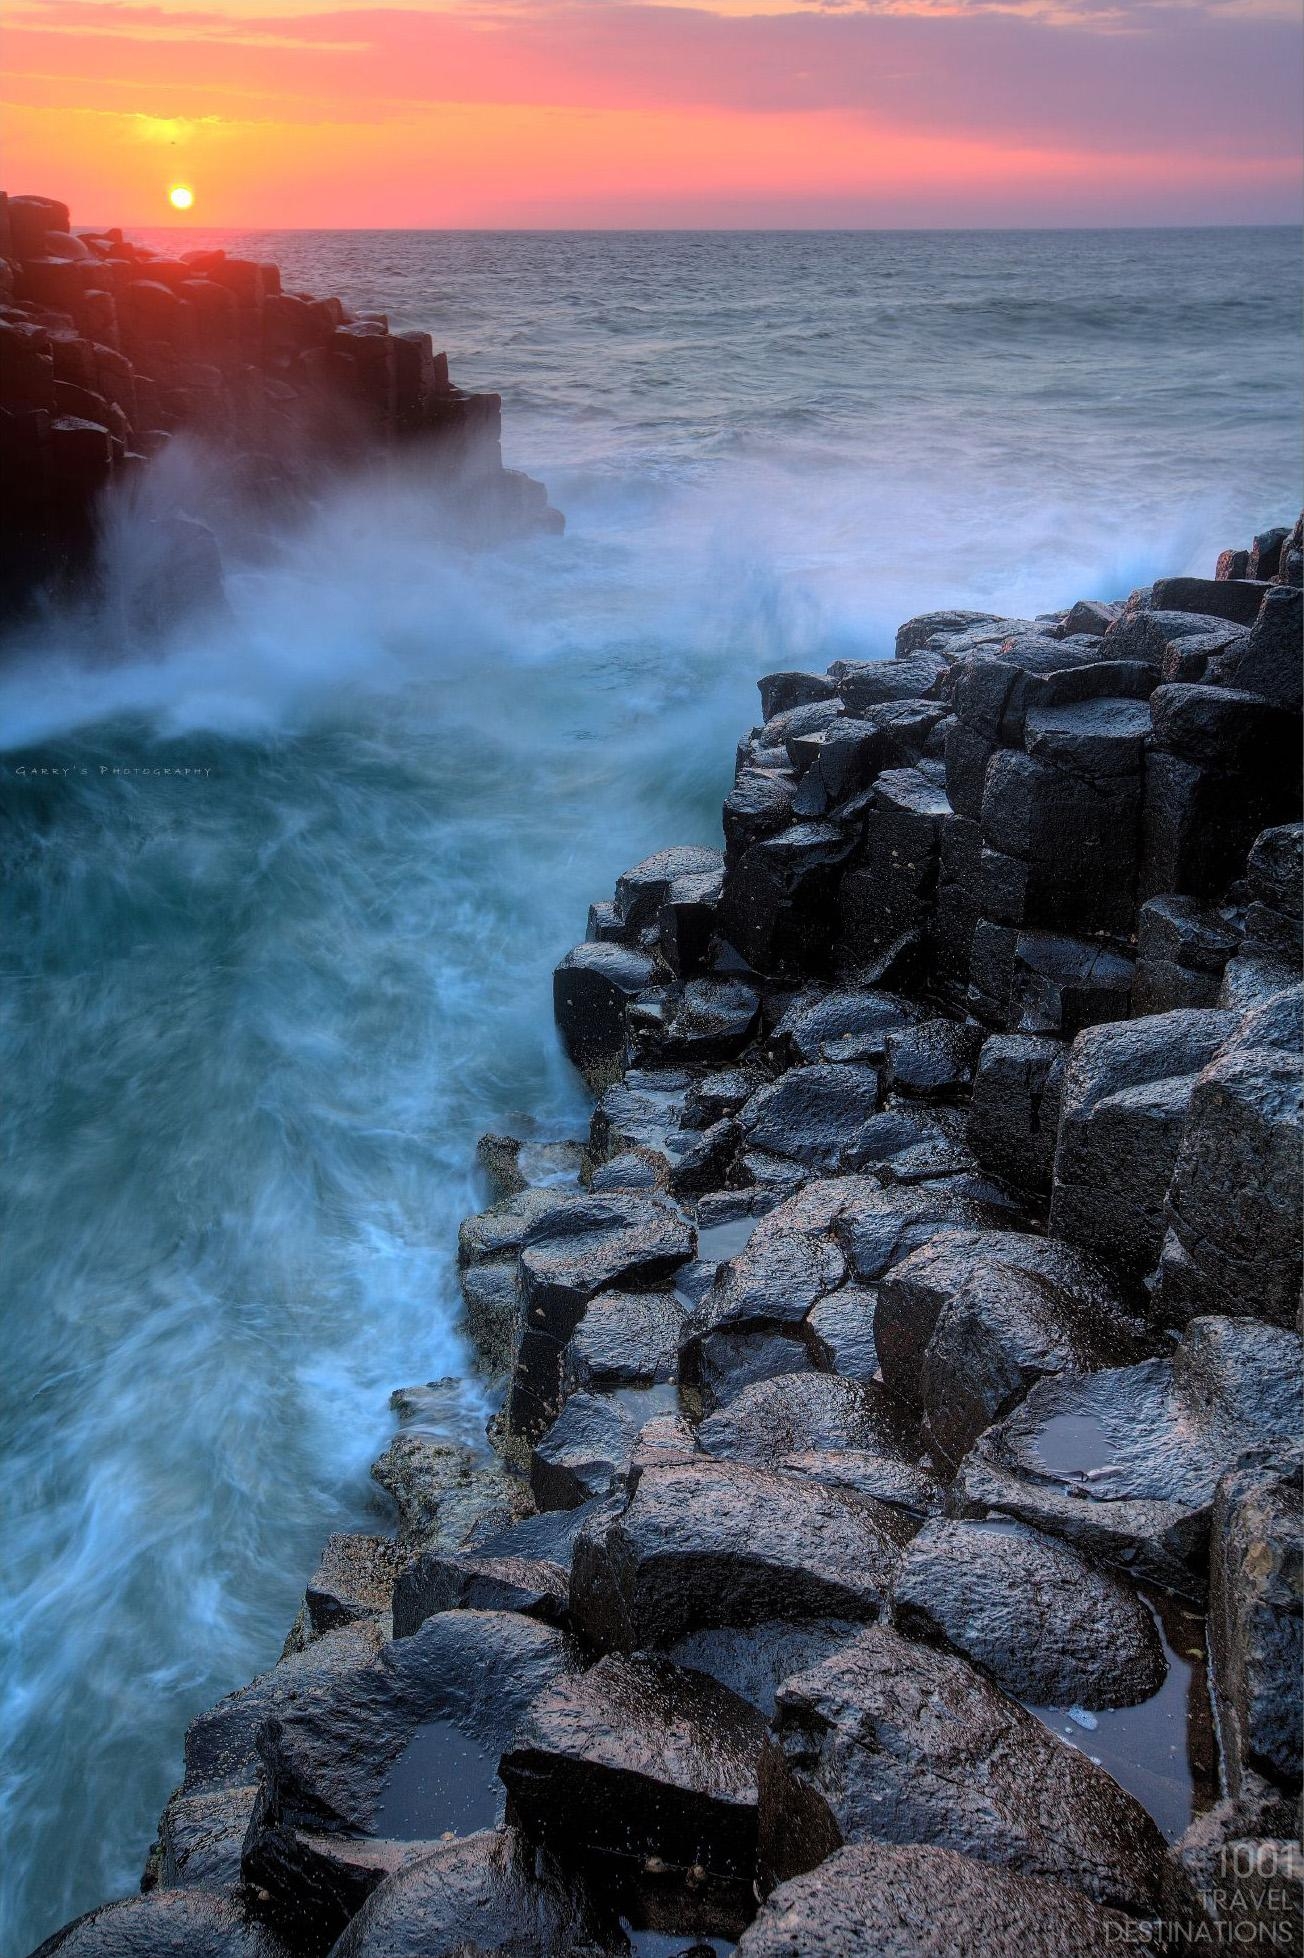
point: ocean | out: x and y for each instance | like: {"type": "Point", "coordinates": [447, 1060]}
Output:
{"type": "Point", "coordinates": [256, 1014]}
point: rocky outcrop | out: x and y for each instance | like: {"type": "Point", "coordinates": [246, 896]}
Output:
{"type": "Point", "coordinates": [902, 1367]}
{"type": "Point", "coordinates": [109, 351]}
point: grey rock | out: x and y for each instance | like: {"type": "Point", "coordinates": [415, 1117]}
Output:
{"type": "Point", "coordinates": [1236, 599]}
{"type": "Point", "coordinates": [1014, 1107]}
{"type": "Point", "coordinates": [166, 1924]}
{"type": "Point", "coordinates": [758, 805]}
{"type": "Point", "coordinates": [877, 1900]}
{"type": "Point", "coordinates": [642, 891]}
{"type": "Point", "coordinates": [1124, 1463]}
{"type": "Point", "coordinates": [525, 1568]}
{"type": "Point", "coordinates": [710, 1021]}
{"type": "Point", "coordinates": [780, 691]}
{"type": "Point", "coordinates": [825, 1026]}
{"type": "Point", "coordinates": [721, 1543]}
{"type": "Point", "coordinates": [201, 1838]}
{"type": "Point", "coordinates": [404, 1750]}
{"type": "Point", "coordinates": [1049, 1628]}
{"type": "Point", "coordinates": [789, 1421]}
{"type": "Point", "coordinates": [1275, 871]}
{"type": "Point", "coordinates": [1270, 662]}
{"type": "Point", "coordinates": [582, 1451]}
{"type": "Point", "coordinates": [864, 684]}
{"type": "Point", "coordinates": [839, 1331]}
{"type": "Point", "coordinates": [1247, 1868]}
{"type": "Point", "coordinates": [439, 1488]}
{"type": "Point", "coordinates": [889, 1741]}
{"type": "Point", "coordinates": [1236, 1190]}
{"type": "Point", "coordinates": [353, 1579]}
{"type": "Point", "coordinates": [640, 1767]}
{"type": "Point", "coordinates": [935, 1060]}
{"type": "Point", "coordinates": [812, 1114]}
{"type": "Point", "coordinates": [592, 988]}
{"type": "Point", "coordinates": [1124, 1104]}
{"type": "Point", "coordinates": [625, 1339]}
{"type": "Point", "coordinates": [1256, 1618]}
{"type": "Point", "coordinates": [1092, 615]}
{"type": "Point", "coordinates": [489, 1295]}
{"type": "Point", "coordinates": [487, 1894]}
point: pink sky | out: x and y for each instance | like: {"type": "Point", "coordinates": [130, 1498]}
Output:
{"type": "Point", "coordinates": [605, 112]}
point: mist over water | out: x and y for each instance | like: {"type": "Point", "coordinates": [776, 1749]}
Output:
{"type": "Point", "coordinates": [254, 1018]}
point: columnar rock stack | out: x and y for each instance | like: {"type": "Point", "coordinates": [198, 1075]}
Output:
{"type": "Point", "coordinates": [896, 1383]}
{"type": "Point", "coordinates": [109, 349]}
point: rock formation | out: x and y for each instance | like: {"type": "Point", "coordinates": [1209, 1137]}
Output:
{"type": "Point", "coordinates": [914, 1349]}
{"type": "Point", "coordinates": [110, 350]}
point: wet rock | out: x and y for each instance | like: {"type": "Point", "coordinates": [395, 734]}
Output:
{"type": "Point", "coordinates": [889, 1741]}
{"type": "Point", "coordinates": [1123, 1463]}
{"type": "Point", "coordinates": [642, 891]}
{"type": "Point", "coordinates": [1183, 946]}
{"type": "Point", "coordinates": [641, 1111]}
{"type": "Point", "coordinates": [1198, 822]}
{"type": "Point", "coordinates": [489, 1295]}
{"type": "Point", "coordinates": [582, 1451]}
{"type": "Point", "coordinates": [865, 684]}
{"type": "Point", "coordinates": [719, 1543]}
{"type": "Point", "coordinates": [812, 1114]}
{"type": "Point", "coordinates": [773, 1422]}
{"type": "Point", "coordinates": [1092, 738]}
{"type": "Point", "coordinates": [875, 1900]}
{"type": "Point", "coordinates": [1059, 984]}
{"type": "Point", "coordinates": [753, 1660]}
{"type": "Point", "coordinates": [1249, 1880]}
{"type": "Point", "coordinates": [748, 1325]}
{"type": "Point", "coordinates": [781, 691]}
{"type": "Point", "coordinates": [777, 908]}
{"type": "Point", "coordinates": [1222, 727]}
{"type": "Point", "coordinates": [1269, 663]}
{"type": "Point", "coordinates": [1221, 598]}
{"type": "Point", "coordinates": [711, 1021]}
{"type": "Point", "coordinates": [625, 1339]}
{"type": "Point", "coordinates": [404, 1750]}
{"type": "Point", "coordinates": [500, 1232]}
{"type": "Point", "coordinates": [354, 1579]}
{"type": "Point", "coordinates": [221, 1745]}
{"type": "Point", "coordinates": [1122, 1112]}
{"type": "Point", "coordinates": [1014, 1107]}
{"type": "Point", "coordinates": [591, 1244]}
{"type": "Point", "coordinates": [838, 1026]}
{"type": "Point", "coordinates": [488, 1894]}
{"type": "Point", "coordinates": [946, 628]}
{"type": "Point", "coordinates": [1236, 1187]}
{"type": "Point", "coordinates": [935, 1060]}
{"type": "Point", "coordinates": [640, 1767]}
{"type": "Point", "coordinates": [1049, 1628]}
{"type": "Point", "coordinates": [1090, 615]}
{"type": "Point", "coordinates": [592, 987]}
{"type": "Point", "coordinates": [525, 1568]}
{"type": "Point", "coordinates": [839, 1330]}
{"type": "Point", "coordinates": [1263, 559]}
{"type": "Point", "coordinates": [758, 805]}
{"type": "Point", "coordinates": [166, 1924]}
{"type": "Point", "coordinates": [439, 1488]}
{"type": "Point", "coordinates": [200, 1838]}
{"type": "Point", "coordinates": [1075, 838]}
{"type": "Point", "coordinates": [686, 922]}
{"type": "Point", "coordinates": [1256, 1618]}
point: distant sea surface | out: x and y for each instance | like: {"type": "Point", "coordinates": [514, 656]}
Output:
{"type": "Point", "coordinates": [253, 1020]}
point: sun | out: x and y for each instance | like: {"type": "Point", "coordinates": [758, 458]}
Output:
{"type": "Point", "coordinates": [181, 197]}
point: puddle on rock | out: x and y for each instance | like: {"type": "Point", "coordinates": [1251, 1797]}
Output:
{"type": "Point", "coordinates": [1078, 1448]}
{"type": "Point", "coordinates": [443, 1782]}
{"type": "Point", "coordinates": [1162, 1751]}
{"type": "Point", "coordinates": [719, 1242]}
{"type": "Point", "coordinates": [644, 1403]}
{"type": "Point", "coordinates": [671, 1944]}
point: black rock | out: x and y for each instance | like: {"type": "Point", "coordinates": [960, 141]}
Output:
{"type": "Point", "coordinates": [892, 1741]}
{"type": "Point", "coordinates": [638, 1770]}
{"type": "Point", "coordinates": [642, 891]}
{"type": "Point", "coordinates": [1094, 738]}
{"type": "Point", "coordinates": [794, 1420]}
{"type": "Point", "coordinates": [582, 1451]}
{"type": "Point", "coordinates": [1014, 1107]}
{"type": "Point", "coordinates": [1222, 598]}
{"type": "Point", "coordinates": [1264, 557]}
{"type": "Point", "coordinates": [354, 1579]}
{"type": "Point", "coordinates": [966, 1325]}
{"type": "Point", "coordinates": [1049, 1628]}
{"type": "Point", "coordinates": [1126, 1092]}
{"type": "Point", "coordinates": [877, 1900]}
{"type": "Point", "coordinates": [812, 1114]}
{"type": "Point", "coordinates": [1223, 727]}
{"type": "Point", "coordinates": [1183, 945]}
{"type": "Point", "coordinates": [839, 1332]}
{"type": "Point", "coordinates": [758, 805]}
{"type": "Point", "coordinates": [748, 1325]}
{"type": "Point", "coordinates": [625, 1339]}
{"type": "Point", "coordinates": [167, 1924]}
{"type": "Point", "coordinates": [777, 905]}
{"type": "Point", "coordinates": [1275, 870]}
{"type": "Point", "coordinates": [404, 1750]}
{"type": "Point", "coordinates": [935, 1060]}
{"type": "Point", "coordinates": [488, 1894]}
{"type": "Point", "coordinates": [1124, 1463]}
{"type": "Point", "coordinates": [781, 691]}
{"type": "Point", "coordinates": [702, 1545]}
{"type": "Point", "coordinates": [592, 987]}
{"type": "Point", "coordinates": [838, 1026]}
{"type": "Point", "coordinates": [754, 1660]}
{"type": "Point", "coordinates": [1256, 1618]}
{"type": "Point", "coordinates": [686, 922]}
{"type": "Point", "coordinates": [1090, 615]}
{"type": "Point", "coordinates": [710, 1021]}
{"type": "Point", "coordinates": [865, 684]}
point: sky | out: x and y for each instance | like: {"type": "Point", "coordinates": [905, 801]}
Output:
{"type": "Point", "coordinates": [684, 113]}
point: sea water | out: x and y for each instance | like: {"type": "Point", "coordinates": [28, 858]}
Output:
{"type": "Point", "coordinates": [254, 1014]}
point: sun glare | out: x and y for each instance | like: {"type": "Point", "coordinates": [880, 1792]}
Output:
{"type": "Point", "coordinates": [181, 197]}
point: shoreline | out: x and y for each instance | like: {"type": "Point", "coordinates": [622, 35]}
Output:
{"type": "Point", "coordinates": [887, 1349]}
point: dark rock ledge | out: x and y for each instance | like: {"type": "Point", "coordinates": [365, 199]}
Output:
{"type": "Point", "coordinates": [891, 1542]}
{"type": "Point", "coordinates": [109, 352]}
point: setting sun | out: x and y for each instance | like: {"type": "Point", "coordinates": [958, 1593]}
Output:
{"type": "Point", "coordinates": [181, 197]}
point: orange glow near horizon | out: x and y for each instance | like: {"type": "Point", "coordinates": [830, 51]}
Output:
{"type": "Point", "coordinates": [557, 112]}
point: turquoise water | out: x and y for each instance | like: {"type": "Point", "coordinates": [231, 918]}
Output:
{"type": "Point", "coordinates": [254, 1018]}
